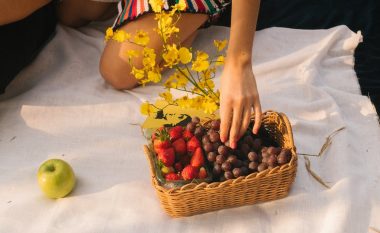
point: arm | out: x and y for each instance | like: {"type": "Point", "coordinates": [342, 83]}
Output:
{"type": "Point", "coordinates": [238, 86]}
{"type": "Point", "coordinates": [14, 10]}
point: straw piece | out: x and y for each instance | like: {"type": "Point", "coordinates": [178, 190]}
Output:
{"type": "Point", "coordinates": [313, 174]}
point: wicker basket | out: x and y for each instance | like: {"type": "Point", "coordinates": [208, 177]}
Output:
{"type": "Point", "coordinates": [257, 187]}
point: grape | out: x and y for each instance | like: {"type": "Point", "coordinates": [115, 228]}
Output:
{"type": "Point", "coordinates": [253, 166]}
{"type": "Point", "coordinates": [208, 147]}
{"type": "Point", "coordinates": [205, 139]}
{"type": "Point", "coordinates": [211, 156]}
{"type": "Point", "coordinates": [216, 145]}
{"type": "Point", "coordinates": [244, 148]}
{"type": "Point", "coordinates": [257, 144]}
{"type": "Point", "coordinates": [214, 137]}
{"type": "Point", "coordinates": [217, 170]}
{"type": "Point", "coordinates": [215, 124]}
{"type": "Point", "coordinates": [272, 160]}
{"type": "Point", "coordinates": [252, 156]}
{"type": "Point", "coordinates": [195, 120]}
{"type": "Point", "coordinates": [223, 150]}
{"type": "Point", "coordinates": [226, 166]}
{"type": "Point", "coordinates": [191, 126]}
{"type": "Point", "coordinates": [237, 172]}
{"type": "Point", "coordinates": [222, 178]}
{"type": "Point", "coordinates": [228, 175]}
{"type": "Point", "coordinates": [238, 163]}
{"type": "Point", "coordinates": [273, 150]}
{"type": "Point", "coordinates": [198, 132]}
{"type": "Point", "coordinates": [220, 159]}
{"type": "Point", "coordinates": [232, 159]}
{"type": "Point", "coordinates": [262, 167]}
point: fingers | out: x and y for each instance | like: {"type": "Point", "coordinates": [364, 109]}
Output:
{"type": "Point", "coordinates": [225, 120]}
{"type": "Point", "coordinates": [236, 123]}
{"type": "Point", "coordinates": [246, 120]}
{"type": "Point", "coordinates": [257, 109]}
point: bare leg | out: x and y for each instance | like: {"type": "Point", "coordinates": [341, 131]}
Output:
{"type": "Point", "coordinates": [114, 65]}
{"type": "Point", "coordinates": [77, 13]}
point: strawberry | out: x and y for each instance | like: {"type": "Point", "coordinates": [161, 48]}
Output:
{"type": "Point", "coordinates": [161, 140]}
{"type": "Point", "coordinates": [193, 144]}
{"type": "Point", "coordinates": [167, 156]}
{"type": "Point", "coordinates": [187, 135]}
{"type": "Point", "coordinates": [180, 146]}
{"type": "Point", "coordinates": [175, 132]}
{"type": "Point", "coordinates": [172, 176]}
{"type": "Point", "coordinates": [178, 166]}
{"type": "Point", "coordinates": [197, 160]}
{"type": "Point", "coordinates": [202, 173]}
{"type": "Point", "coordinates": [189, 172]}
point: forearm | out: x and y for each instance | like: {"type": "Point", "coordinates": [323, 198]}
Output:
{"type": "Point", "coordinates": [14, 10]}
{"type": "Point", "coordinates": [243, 27]}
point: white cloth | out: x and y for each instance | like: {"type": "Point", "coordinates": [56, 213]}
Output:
{"type": "Point", "coordinates": [61, 107]}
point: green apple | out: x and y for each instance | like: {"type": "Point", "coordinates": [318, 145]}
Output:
{"type": "Point", "coordinates": [56, 178]}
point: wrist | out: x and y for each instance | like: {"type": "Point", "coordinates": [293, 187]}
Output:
{"type": "Point", "coordinates": [238, 59]}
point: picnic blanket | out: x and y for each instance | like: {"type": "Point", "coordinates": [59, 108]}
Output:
{"type": "Point", "coordinates": [60, 107]}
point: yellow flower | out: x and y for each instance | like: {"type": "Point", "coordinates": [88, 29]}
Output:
{"type": "Point", "coordinates": [156, 5]}
{"type": "Point", "coordinates": [147, 109]}
{"type": "Point", "coordinates": [197, 102]}
{"type": "Point", "coordinates": [180, 6]}
{"type": "Point", "coordinates": [220, 44]}
{"type": "Point", "coordinates": [202, 56]}
{"type": "Point", "coordinates": [132, 53]}
{"type": "Point", "coordinates": [220, 61]}
{"type": "Point", "coordinates": [184, 102]}
{"type": "Point", "coordinates": [141, 38]}
{"type": "Point", "coordinates": [185, 55]}
{"type": "Point", "coordinates": [171, 56]}
{"type": "Point", "coordinates": [121, 36]}
{"type": "Point", "coordinates": [200, 65]}
{"type": "Point", "coordinates": [167, 96]}
{"type": "Point", "coordinates": [165, 26]}
{"type": "Point", "coordinates": [109, 33]}
{"type": "Point", "coordinates": [139, 74]}
{"type": "Point", "coordinates": [209, 106]}
{"type": "Point", "coordinates": [154, 76]}
{"type": "Point", "coordinates": [149, 52]}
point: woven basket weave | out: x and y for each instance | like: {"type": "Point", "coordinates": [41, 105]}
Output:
{"type": "Point", "coordinates": [257, 187]}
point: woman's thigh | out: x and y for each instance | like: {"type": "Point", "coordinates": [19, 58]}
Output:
{"type": "Point", "coordinates": [114, 65]}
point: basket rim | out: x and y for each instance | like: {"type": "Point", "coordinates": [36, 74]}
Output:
{"type": "Point", "coordinates": [215, 185]}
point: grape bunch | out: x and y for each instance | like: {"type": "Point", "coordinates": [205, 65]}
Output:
{"type": "Point", "coordinates": [253, 153]}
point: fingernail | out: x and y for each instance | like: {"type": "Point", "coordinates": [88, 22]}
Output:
{"type": "Point", "coordinates": [233, 145]}
{"type": "Point", "coordinates": [223, 139]}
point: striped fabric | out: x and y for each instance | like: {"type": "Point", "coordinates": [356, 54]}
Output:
{"type": "Point", "coordinates": [131, 9]}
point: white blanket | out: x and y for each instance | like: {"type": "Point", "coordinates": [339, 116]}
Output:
{"type": "Point", "coordinates": [61, 107]}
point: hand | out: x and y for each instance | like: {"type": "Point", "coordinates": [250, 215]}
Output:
{"type": "Point", "coordinates": [238, 96]}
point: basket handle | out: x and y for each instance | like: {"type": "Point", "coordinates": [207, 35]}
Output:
{"type": "Point", "coordinates": [148, 153]}
{"type": "Point", "coordinates": [288, 126]}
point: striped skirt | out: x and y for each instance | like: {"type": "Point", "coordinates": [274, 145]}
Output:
{"type": "Point", "coordinates": [132, 9]}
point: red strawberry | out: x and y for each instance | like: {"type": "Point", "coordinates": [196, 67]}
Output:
{"type": "Point", "coordinates": [197, 160]}
{"type": "Point", "coordinates": [189, 172]}
{"type": "Point", "coordinates": [180, 146]}
{"type": "Point", "coordinates": [175, 132]}
{"type": "Point", "coordinates": [178, 166]}
{"type": "Point", "coordinates": [187, 135]}
{"type": "Point", "coordinates": [161, 140]}
{"type": "Point", "coordinates": [202, 173]}
{"type": "Point", "coordinates": [167, 156]}
{"type": "Point", "coordinates": [172, 176]}
{"type": "Point", "coordinates": [193, 144]}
